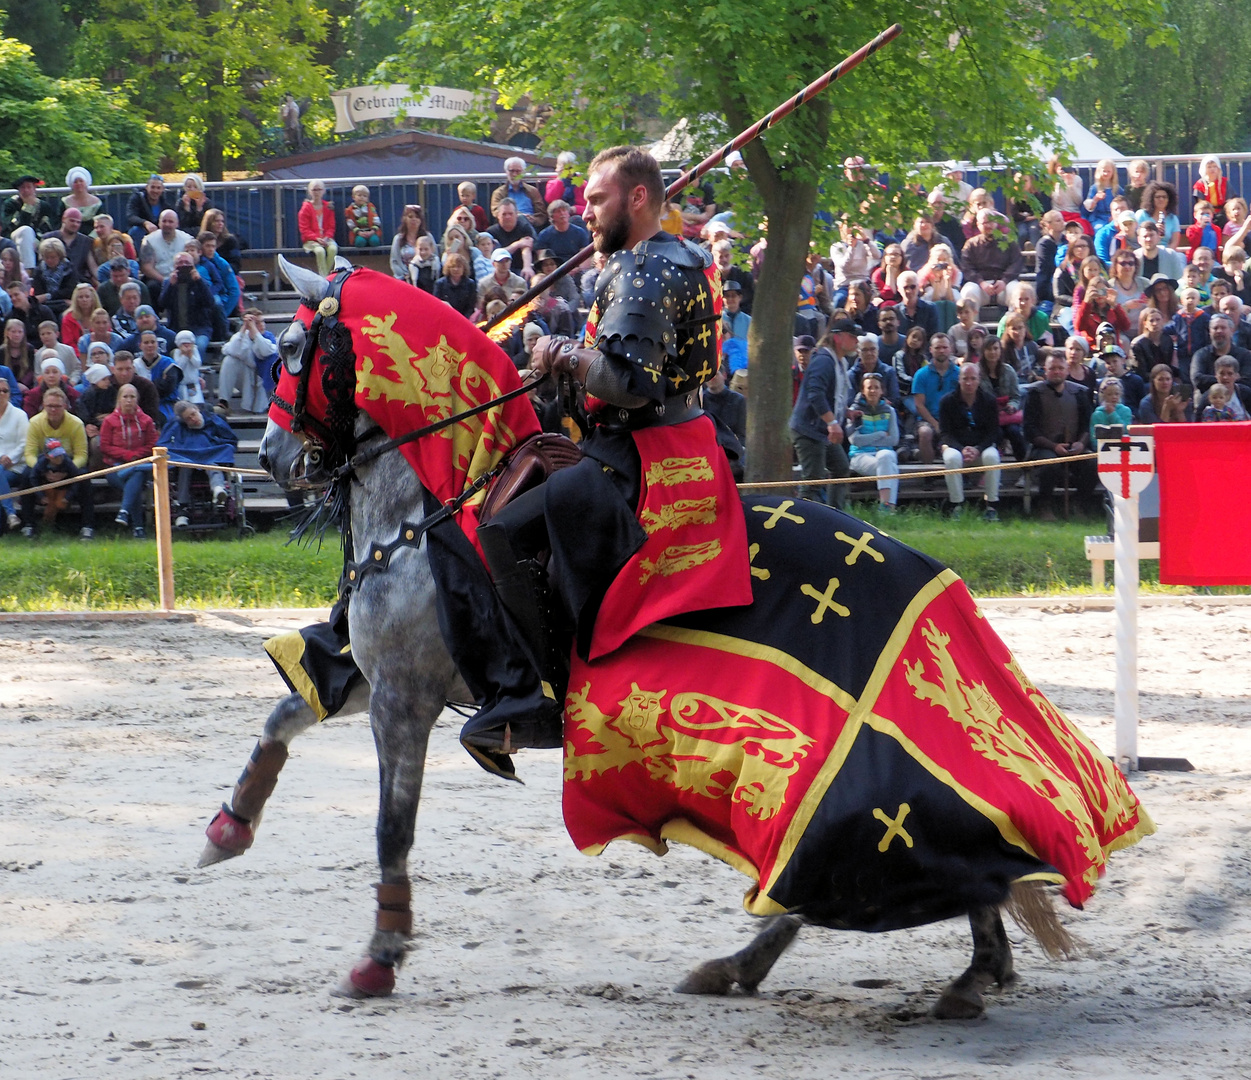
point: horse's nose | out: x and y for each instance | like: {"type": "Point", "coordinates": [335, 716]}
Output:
{"type": "Point", "coordinates": [263, 458]}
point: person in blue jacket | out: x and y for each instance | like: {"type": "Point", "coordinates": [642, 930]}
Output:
{"type": "Point", "coordinates": [201, 438]}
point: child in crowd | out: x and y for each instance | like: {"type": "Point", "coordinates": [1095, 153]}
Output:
{"type": "Point", "coordinates": [1204, 233]}
{"type": "Point", "coordinates": [467, 191]}
{"type": "Point", "coordinates": [1217, 408]}
{"type": "Point", "coordinates": [1047, 255]}
{"type": "Point", "coordinates": [423, 271]}
{"type": "Point", "coordinates": [1189, 327]}
{"type": "Point", "coordinates": [1111, 412]}
{"type": "Point", "coordinates": [1139, 178]}
{"type": "Point", "coordinates": [966, 312]}
{"type": "Point", "coordinates": [187, 359]}
{"type": "Point", "coordinates": [364, 226]}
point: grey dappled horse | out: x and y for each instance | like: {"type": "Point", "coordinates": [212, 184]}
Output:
{"type": "Point", "coordinates": [397, 645]}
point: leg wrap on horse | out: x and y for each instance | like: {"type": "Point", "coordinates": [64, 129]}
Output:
{"type": "Point", "coordinates": [395, 913]}
{"type": "Point", "coordinates": [260, 776]}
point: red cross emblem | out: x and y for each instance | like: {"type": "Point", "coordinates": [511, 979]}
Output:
{"type": "Point", "coordinates": [1127, 464]}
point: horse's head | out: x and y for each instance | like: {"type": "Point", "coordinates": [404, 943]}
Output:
{"type": "Point", "coordinates": [312, 413]}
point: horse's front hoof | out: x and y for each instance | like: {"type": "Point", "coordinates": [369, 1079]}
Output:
{"type": "Point", "coordinates": [228, 835]}
{"type": "Point", "coordinates": [716, 978]}
{"type": "Point", "coordinates": [214, 854]}
{"type": "Point", "coordinates": [368, 979]}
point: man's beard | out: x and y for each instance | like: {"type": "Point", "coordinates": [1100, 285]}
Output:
{"type": "Point", "coordinates": [613, 233]}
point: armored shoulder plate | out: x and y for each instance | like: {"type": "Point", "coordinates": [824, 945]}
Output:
{"type": "Point", "coordinates": [678, 250]}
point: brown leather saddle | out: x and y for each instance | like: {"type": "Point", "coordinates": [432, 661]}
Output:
{"type": "Point", "coordinates": [531, 463]}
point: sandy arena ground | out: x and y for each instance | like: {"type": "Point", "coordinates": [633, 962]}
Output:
{"type": "Point", "coordinates": [120, 960]}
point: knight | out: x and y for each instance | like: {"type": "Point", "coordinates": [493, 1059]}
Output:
{"type": "Point", "coordinates": [652, 339]}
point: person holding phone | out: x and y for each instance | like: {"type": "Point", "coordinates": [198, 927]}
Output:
{"type": "Point", "coordinates": [187, 301]}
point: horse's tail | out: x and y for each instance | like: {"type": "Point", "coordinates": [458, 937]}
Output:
{"type": "Point", "coordinates": [1030, 906]}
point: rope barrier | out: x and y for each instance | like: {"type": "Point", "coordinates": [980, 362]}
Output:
{"type": "Point", "coordinates": [1042, 463]}
{"type": "Point", "coordinates": [80, 477]}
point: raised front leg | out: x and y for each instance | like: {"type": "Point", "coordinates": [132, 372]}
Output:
{"type": "Point", "coordinates": [992, 963]}
{"type": "Point", "coordinates": [747, 968]}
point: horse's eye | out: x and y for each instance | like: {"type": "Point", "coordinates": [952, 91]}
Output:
{"type": "Point", "coordinates": [291, 346]}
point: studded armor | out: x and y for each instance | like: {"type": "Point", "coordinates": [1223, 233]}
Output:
{"type": "Point", "coordinates": [657, 318]}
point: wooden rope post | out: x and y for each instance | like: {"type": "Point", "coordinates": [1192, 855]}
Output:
{"type": "Point", "coordinates": [164, 546]}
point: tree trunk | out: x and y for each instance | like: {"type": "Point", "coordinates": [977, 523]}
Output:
{"type": "Point", "coordinates": [771, 335]}
{"type": "Point", "coordinates": [212, 154]}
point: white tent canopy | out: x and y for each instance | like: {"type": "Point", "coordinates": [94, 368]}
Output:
{"type": "Point", "coordinates": [1087, 146]}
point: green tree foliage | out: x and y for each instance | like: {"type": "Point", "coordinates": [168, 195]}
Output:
{"type": "Point", "coordinates": [1181, 87]}
{"type": "Point", "coordinates": [208, 74]}
{"type": "Point", "coordinates": [49, 125]}
{"type": "Point", "coordinates": [965, 80]}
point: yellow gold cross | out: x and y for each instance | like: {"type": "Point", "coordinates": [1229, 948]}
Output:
{"type": "Point", "coordinates": [677, 380]}
{"type": "Point", "coordinates": [776, 513]}
{"type": "Point", "coordinates": [756, 571]}
{"type": "Point", "coordinates": [701, 296]}
{"type": "Point", "coordinates": [704, 372]}
{"type": "Point", "coordinates": [859, 547]}
{"type": "Point", "coordinates": [704, 335]}
{"type": "Point", "coordinates": [825, 600]}
{"type": "Point", "coordinates": [894, 827]}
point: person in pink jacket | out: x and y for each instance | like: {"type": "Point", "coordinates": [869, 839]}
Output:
{"type": "Point", "coordinates": [128, 434]}
{"type": "Point", "coordinates": [568, 183]}
{"type": "Point", "coordinates": [317, 223]}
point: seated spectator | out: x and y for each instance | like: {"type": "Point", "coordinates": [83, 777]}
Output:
{"type": "Point", "coordinates": [989, 264]}
{"type": "Point", "coordinates": [727, 407]}
{"type": "Point", "coordinates": [860, 306]}
{"type": "Point", "coordinates": [117, 252]}
{"type": "Point", "coordinates": [1159, 205]}
{"type": "Point", "coordinates": [77, 244]}
{"type": "Point", "coordinates": [1090, 270]}
{"type": "Point", "coordinates": [1188, 328]}
{"type": "Point", "coordinates": [316, 223]}
{"type": "Point", "coordinates": [1218, 406]}
{"type": "Point", "coordinates": [159, 250]}
{"type": "Point", "coordinates": [1081, 371]}
{"type": "Point", "coordinates": [940, 280]}
{"type": "Point", "coordinates": [364, 225]}
{"type": "Point", "coordinates": [735, 322]}
{"type": "Point", "coordinates": [109, 295]}
{"type": "Point", "coordinates": [954, 186]}
{"type": "Point", "coordinates": [102, 239]}
{"type": "Point", "coordinates": [246, 357]}
{"type": "Point", "coordinates": [885, 276]}
{"type": "Point", "coordinates": [1128, 287]}
{"type": "Point", "coordinates": [1027, 208]}
{"type": "Point", "coordinates": [1238, 393]}
{"type": "Point", "coordinates": [1211, 187]}
{"type": "Point", "coordinates": [1056, 424]}
{"type": "Point", "coordinates": [813, 303]}
{"type": "Point", "coordinates": [1098, 305]}
{"type": "Point", "coordinates": [186, 358]}
{"type": "Point", "coordinates": [27, 216]}
{"type": "Point", "coordinates": [404, 243]}
{"type": "Point", "coordinates": [1119, 234]}
{"type": "Point", "coordinates": [13, 425]}
{"type": "Point", "coordinates": [77, 318]}
{"type": "Point", "coordinates": [1153, 345]}
{"type": "Point", "coordinates": [54, 278]}
{"type": "Point", "coordinates": [873, 436]}
{"type": "Point", "coordinates": [225, 285]}
{"type": "Point", "coordinates": [908, 361]}
{"type": "Point", "coordinates": [914, 311]}
{"type": "Point", "coordinates": [424, 268]}
{"type": "Point", "coordinates": [1237, 223]}
{"type": "Point", "coordinates": [1021, 353]}
{"type": "Point", "coordinates": [11, 273]}
{"type": "Point", "coordinates": [457, 240]}
{"type": "Point", "coordinates": [1233, 270]}
{"type": "Point", "coordinates": [969, 435]}
{"type": "Point", "coordinates": [201, 438]}
{"type": "Point", "coordinates": [187, 301]}
{"type": "Point", "coordinates": [145, 319]}
{"type": "Point", "coordinates": [1025, 304]}
{"type": "Point", "coordinates": [1133, 388]}
{"type": "Point", "coordinates": [1139, 176]}
{"type": "Point", "coordinates": [526, 199]}
{"type": "Point", "coordinates": [192, 205]}
{"type": "Point", "coordinates": [1155, 260]}
{"type": "Point", "coordinates": [1068, 273]}
{"type": "Point", "coordinates": [164, 374]}
{"type": "Point", "coordinates": [56, 449]}
{"type": "Point", "coordinates": [946, 222]}
{"type": "Point", "coordinates": [1237, 311]}
{"type": "Point", "coordinates": [502, 278]}
{"type": "Point", "coordinates": [854, 256]}
{"type": "Point", "coordinates": [128, 434]}
{"type": "Point", "coordinates": [889, 341]}
{"type": "Point", "coordinates": [869, 360]}
{"type": "Point", "coordinates": [966, 320]}
{"type": "Point", "coordinates": [562, 237]}
{"type": "Point", "coordinates": [467, 192]}
{"type": "Point", "coordinates": [698, 205]}
{"type": "Point", "coordinates": [98, 399]}
{"type": "Point", "coordinates": [1204, 233]}
{"type": "Point", "coordinates": [979, 199]}
{"type": "Point", "coordinates": [568, 185]}
{"type": "Point", "coordinates": [125, 373]}
{"type": "Point", "coordinates": [51, 376]}
{"type": "Point", "coordinates": [929, 386]}
{"type": "Point", "coordinates": [1110, 412]}
{"type": "Point", "coordinates": [564, 290]}
{"type": "Point", "coordinates": [520, 347]}
{"type": "Point", "coordinates": [99, 328]}
{"type": "Point", "coordinates": [1220, 345]}
{"type": "Point", "coordinates": [1166, 402]}
{"type": "Point", "coordinates": [229, 246]}
{"type": "Point", "coordinates": [456, 288]}
{"type": "Point", "coordinates": [1000, 381]}
{"type": "Point", "coordinates": [130, 300]}
{"type": "Point", "coordinates": [514, 234]}
{"type": "Point", "coordinates": [17, 354]}
{"type": "Point", "coordinates": [50, 342]}
{"type": "Point", "coordinates": [1051, 225]}
{"type": "Point", "coordinates": [1203, 263]}
{"type": "Point", "coordinates": [917, 244]}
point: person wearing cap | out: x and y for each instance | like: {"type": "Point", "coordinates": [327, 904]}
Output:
{"type": "Point", "coordinates": [1119, 234]}
{"type": "Point", "coordinates": [502, 277]}
{"type": "Point", "coordinates": [144, 209]}
{"type": "Point", "coordinates": [816, 423]}
{"type": "Point", "coordinates": [564, 237]}
{"type": "Point", "coordinates": [1155, 259]}
{"type": "Point", "coordinates": [128, 434]}
{"type": "Point", "coordinates": [545, 261]}
{"type": "Point", "coordinates": [873, 435]}
{"type": "Point", "coordinates": [1133, 387]}
{"type": "Point", "coordinates": [25, 217]}
{"type": "Point", "coordinates": [56, 449]}
{"type": "Point", "coordinates": [13, 425]}
{"type": "Point", "coordinates": [735, 322]}
{"type": "Point", "coordinates": [51, 375]}
{"type": "Point", "coordinates": [145, 319]}
{"type": "Point", "coordinates": [98, 399]}
{"type": "Point", "coordinates": [78, 246]}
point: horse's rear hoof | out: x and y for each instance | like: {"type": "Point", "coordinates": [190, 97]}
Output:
{"type": "Point", "coordinates": [214, 854]}
{"type": "Point", "coordinates": [228, 835]}
{"type": "Point", "coordinates": [955, 1004]}
{"type": "Point", "coordinates": [368, 979]}
{"type": "Point", "coordinates": [715, 978]}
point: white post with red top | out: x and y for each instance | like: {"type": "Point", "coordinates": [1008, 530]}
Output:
{"type": "Point", "coordinates": [1126, 466]}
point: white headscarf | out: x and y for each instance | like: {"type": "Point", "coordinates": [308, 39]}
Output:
{"type": "Point", "coordinates": [75, 173]}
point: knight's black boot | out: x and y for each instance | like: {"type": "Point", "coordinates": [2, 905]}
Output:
{"type": "Point", "coordinates": [528, 712]}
